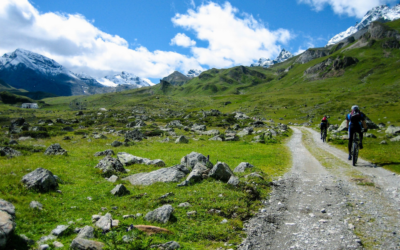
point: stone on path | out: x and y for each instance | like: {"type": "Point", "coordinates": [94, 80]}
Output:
{"type": "Point", "coordinates": [40, 179]}
{"type": "Point", "coordinates": [161, 214]}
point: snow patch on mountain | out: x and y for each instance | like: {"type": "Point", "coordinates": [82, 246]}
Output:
{"type": "Point", "coordinates": [124, 78]}
{"type": "Point", "coordinates": [382, 13]}
{"type": "Point", "coordinates": [194, 73]}
{"type": "Point", "coordinates": [266, 62]}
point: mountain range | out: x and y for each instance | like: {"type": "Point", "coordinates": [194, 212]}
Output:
{"type": "Point", "coordinates": [266, 62]}
{"type": "Point", "coordinates": [382, 13]}
{"type": "Point", "coordinates": [23, 69]}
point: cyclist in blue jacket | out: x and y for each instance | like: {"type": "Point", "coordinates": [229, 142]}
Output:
{"type": "Point", "coordinates": [355, 120]}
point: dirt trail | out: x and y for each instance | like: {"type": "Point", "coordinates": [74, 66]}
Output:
{"type": "Point", "coordinates": [312, 207]}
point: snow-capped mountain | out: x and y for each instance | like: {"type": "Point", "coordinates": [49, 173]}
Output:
{"type": "Point", "coordinates": [283, 56]}
{"type": "Point", "coordinates": [124, 78]}
{"type": "Point", "coordinates": [266, 63]}
{"type": "Point", "coordinates": [193, 73]}
{"type": "Point", "coordinates": [381, 13]}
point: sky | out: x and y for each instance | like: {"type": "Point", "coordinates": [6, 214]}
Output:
{"type": "Point", "coordinates": [153, 38]}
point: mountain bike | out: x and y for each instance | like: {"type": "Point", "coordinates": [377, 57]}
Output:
{"type": "Point", "coordinates": [355, 147]}
{"type": "Point", "coordinates": [324, 135]}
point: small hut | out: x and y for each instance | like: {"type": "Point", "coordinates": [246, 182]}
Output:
{"type": "Point", "coordinates": [29, 106]}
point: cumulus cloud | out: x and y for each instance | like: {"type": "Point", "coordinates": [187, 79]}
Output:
{"type": "Point", "coordinates": [356, 8]}
{"type": "Point", "coordinates": [182, 40]}
{"type": "Point", "coordinates": [232, 40]}
{"type": "Point", "coordinates": [72, 40]}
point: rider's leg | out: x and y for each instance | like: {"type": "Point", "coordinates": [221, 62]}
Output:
{"type": "Point", "coordinates": [350, 141]}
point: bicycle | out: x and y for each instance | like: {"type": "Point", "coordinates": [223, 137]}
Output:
{"type": "Point", "coordinates": [355, 147]}
{"type": "Point", "coordinates": [324, 135]}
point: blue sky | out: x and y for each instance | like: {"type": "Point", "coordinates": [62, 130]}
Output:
{"type": "Point", "coordinates": [155, 37]}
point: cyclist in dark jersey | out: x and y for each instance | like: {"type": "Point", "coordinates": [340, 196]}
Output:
{"type": "Point", "coordinates": [355, 120]}
{"type": "Point", "coordinates": [324, 124]}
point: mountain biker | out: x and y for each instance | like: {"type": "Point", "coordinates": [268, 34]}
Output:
{"type": "Point", "coordinates": [355, 119]}
{"type": "Point", "coordinates": [324, 124]}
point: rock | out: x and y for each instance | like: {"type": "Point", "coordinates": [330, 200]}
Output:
{"type": "Point", "coordinates": [171, 245]}
{"type": "Point", "coordinates": [149, 230]}
{"type": "Point", "coordinates": [40, 179]}
{"type": "Point", "coordinates": [184, 204]}
{"type": "Point", "coordinates": [67, 138]}
{"type": "Point", "coordinates": [68, 129]}
{"type": "Point", "coordinates": [197, 173]}
{"type": "Point", "coordinates": [240, 116]}
{"type": "Point", "coordinates": [95, 218]}
{"type": "Point", "coordinates": [100, 136]}
{"type": "Point", "coordinates": [212, 132]}
{"type": "Point", "coordinates": [36, 205]}
{"type": "Point", "coordinates": [174, 124]}
{"type": "Point", "coordinates": [342, 126]}
{"type": "Point", "coordinates": [46, 238]}
{"type": "Point", "coordinates": [44, 247]}
{"type": "Point", "coordinates": [193, 158]}
{"type": "Point", "coordinates": [13, 142]}
{"type": "Point", "coordinates": [234, 181]}
{"type": "Point", "coordinates": [254, 175]}
{"type": "Point", "coordinates": [161, 214]}
{"type": "Point", "coordinates": [7, 223]}
{"type": "Point", "coordinates": [245, 131]}
{"type": "Point", "coordinates": [232, 138]}
{"type": "Point", "coordinates": [242, 167]}
{"type": "Point", "coordinates": [26, 240]}
{"type": "Point", "coordinates": [157, 163]}
{"type": "Point", "coordinates": [105, 222]}
{"type": "Point", "coordinates": [120, 190]}
{"type": "Point", "coordinates": [55, 149]}
{"type": "Point", "coordinates": [57, 244]}
{"type": "Point", "coordinates": [113, 178]}
{"type": "Point", "coordinates": [128, 159]}
{"type": "Point", "coordinates": [369, 135]}
{"type": "Point", "coordinates": [258, 139]}
{"type": "Point", "coordinates": [116, 143]}
{"type": "Point", "coordinates": [6, 151]}
{"type": "Point", "coordinates": [83, 244]}
{"type": "Point", "coordinates": [397, 138]}
{"type": "Point", "coordinates": [171, 174]}
{"type": "Point", "coordinates": [182, 139]}
{"type": "Point", "coordinates": [110, 165]}
{"type": "Point", "coordinates": [107, 152]}
{"type": "Point", "coordinates": [221, 171]}
{"type": "Point", "coordinates": [383, 142]}
{"type": "Point", "coordinates": [60, 229]}
{"type": "Point", "coordinates": [197, 127]}
{"type": "Point", "coordinates": [87, 232]}
{"type": "Point", "coordinates": [134, 135]}
{"type": "Point", "coordinates": [216, 138]}
{"type": "Point", "coordinates": [236, 127]}
{"type": "Point", "coordinates": [224, 221]}
{"type": "Point", "coordinates": [392, 130]}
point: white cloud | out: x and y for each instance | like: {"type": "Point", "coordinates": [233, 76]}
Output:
{"type": "Point", "coordinates": [72, 40]}
{"type": "Point", "coordinates": [192, 3]}
{"type": "Point", "coordinates": [182, 40]}
{"type": "Point", "coordinates": [356, 8]}
{"type": "Point", "coordinates": [232, 40]}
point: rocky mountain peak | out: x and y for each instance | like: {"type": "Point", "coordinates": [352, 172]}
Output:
{"type": "Point", "coordinates": [266, 62]}
{"type": "Point", "coordinates": [193, 73]}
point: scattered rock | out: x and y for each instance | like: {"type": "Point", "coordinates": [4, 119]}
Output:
{"type": "Point", "coordinates": [55, 149]}
{"type": "Point", "coordinates": [369, 135]}
{"type": "Point", "coordinates": [397, 138]}
{"type": "Point", "coordinates": [6, 151]}
{"type": "Point", "coordinates": [116, 143]}
{"type": "Point", "coordinates": [171, 245]}
{"type": "Point", "coordinates": [60, 229]}
{"type": "Point", "coordinates": [161, 214]}
{"type": "Point", "coordinates": [383, 142]}
{"type": "Point", "coordinates": [83, 244]}
{"type": "Point", "coordinates": [197, 173]}
{"type": "Point", "coordinates": [120, 190]}
{"type": "Point", "coordinates": [182, 139]}
{"type": "Point", "coordinates": [221, 171]}
{"type": "Point", "coordinates": [392, 130]}
{"type": "Point", "coordinates": [224, 221]}
{"type": "Point", "coordinates": [105, 222]}
{"type": "Point", "coordinates": [184, 204]}
{"type": "Point", "coordinates": [7, 223]}
{"type": "Point", "coordinates": [193, 158]}
{"type": "Point", "coordinates": [242, 167]}
{"type": "Point", "coordinates": [149, 230]}
{"type": "Point", "coordinates": [100, 136]}
{"type": "Point", "coordinates": [113, 178]}
{"type": "Point", "coordinates": [36, 205]}
{"type": "Point", "coordinates": [134, 135]}
{"type": "Point", "coordinates": [58, 244]}
{"type": "Point", "coordinates": [40, 179]}
{"type": "Point", "coordinates": [234, 181]}
{"type": "Point", "coordinates": [107, 152]}
{"type": "Point", "coordinates": [110, 165]}
{"type": "Point", "coordinates": [216, 138]}
{"type": "Point", "coordinates": [87, 232]}
{"type": "Point", "coordinates": [171, 174]}
{"type": "Point", "coordinates": [68, 129]}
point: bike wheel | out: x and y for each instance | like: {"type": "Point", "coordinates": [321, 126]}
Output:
{"type": "Point", "coordinates": [324, 137]}
{"type": "Point", "coordinates": [355, 153]}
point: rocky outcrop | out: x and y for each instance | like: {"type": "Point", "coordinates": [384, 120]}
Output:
{"type": "Point", "coordinates": [128, 159]}
{"type": "Point", "coordinates": [7, 221]}
{"type": "Point", "coordinates": [379, 30]}
{"type": "Point", "coordinates": [193, 158]}
{"type": "Point", "coordinates": [312, 54]}
{"type": "Point", "coordinates": [110, 165]}
{"type": "Point", "coordinates": [41, 180]}
{"type": "Point", "coordinates": [171, 174]}
{"type": "Point", "coordinates": [55, 149]}
{"type": "Point", "coordinates": [221, 171]}
{"type": "Point", "coordinates": [197, 173]}
{"type": "Point", "coordinates": [160, 215]}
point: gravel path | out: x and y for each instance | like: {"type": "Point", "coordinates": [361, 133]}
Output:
{"type": "Point", "coordinates": [312, 207]}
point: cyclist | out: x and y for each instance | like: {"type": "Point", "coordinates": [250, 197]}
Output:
{"type": "Point", "coordinates": [355, 119]}
{"type": "Point", "coordinates": [324, 125]}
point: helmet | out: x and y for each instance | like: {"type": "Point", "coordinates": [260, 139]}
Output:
{"type": "Point", "coordinates": [355, 107]}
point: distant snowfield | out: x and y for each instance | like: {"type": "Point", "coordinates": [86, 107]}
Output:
{"type": "Point", "coordinates": [106, 82]}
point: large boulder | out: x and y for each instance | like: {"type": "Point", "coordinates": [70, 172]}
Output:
{"type": "Point", "coordinates": [7, 223]}
{"type": "Point", "coordinates": [392, 130]}
{"type": "Point", "coordinates": [193, 158]}
{"type": "Point", "coordinates": [55, 149]}
{"type": "Point", "coordinates": [6, 151]}
{"type": "Point", "coordinates": [221, 171]}
{"type": "Point", "coordinates": [242, 167]}
{"type": "Point", "coordinates": [84, 244]}
{"type": "Point", "coordinates": [40, 179]}
{"type": "Point", "coordinates": [134, 135]}
{"type": "Point", "coordinates": [197, 173]}
{"type": "Point", "coordinates": [161, 214]}
{"type": "Point", "coordinates": [110, 165]}
{"type": "Point", "coordinates": [171, 174]}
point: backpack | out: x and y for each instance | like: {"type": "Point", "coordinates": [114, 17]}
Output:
{"type": "Point", "coordinates": [355, 116]}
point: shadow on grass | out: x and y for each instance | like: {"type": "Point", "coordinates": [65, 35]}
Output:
{"type": "Point", "coordinates": [16, 242]}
